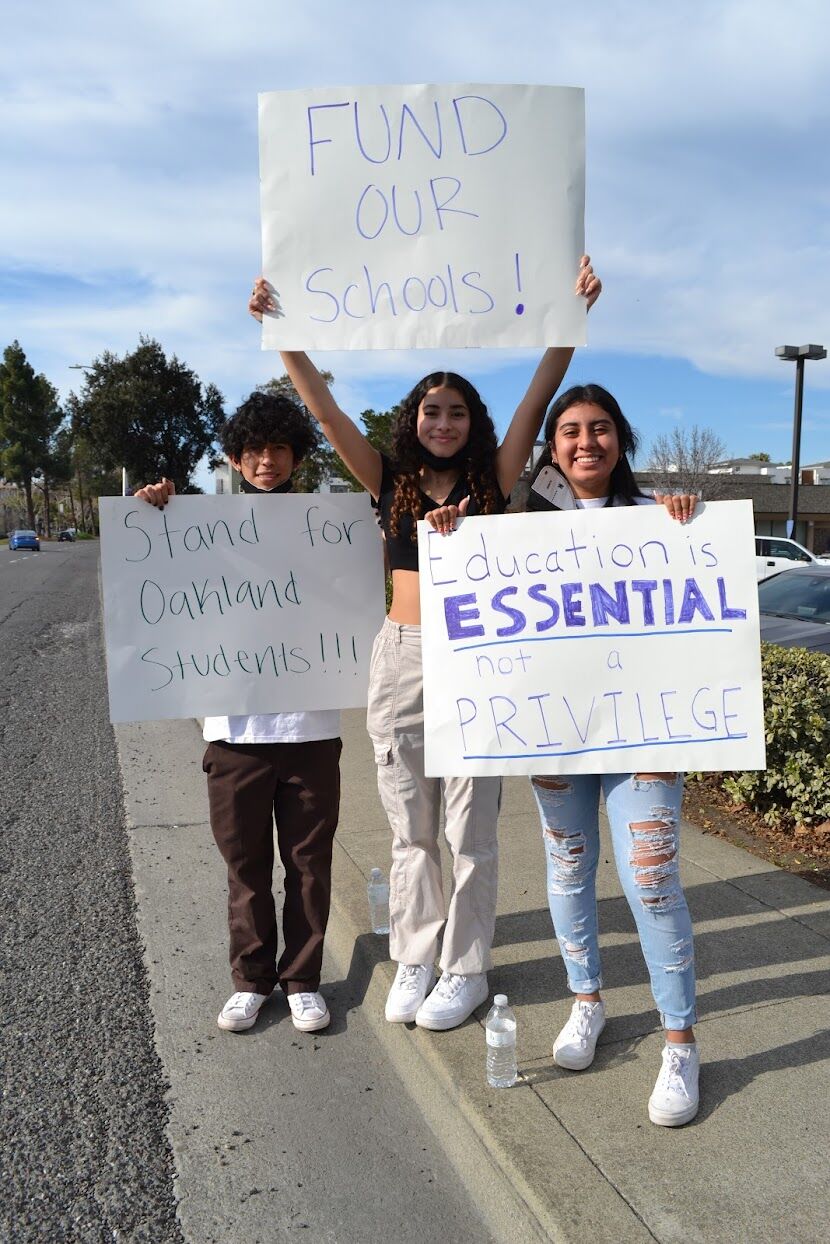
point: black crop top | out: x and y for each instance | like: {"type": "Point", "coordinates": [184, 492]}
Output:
{"type": "Point", "coordinates": [402, 549]}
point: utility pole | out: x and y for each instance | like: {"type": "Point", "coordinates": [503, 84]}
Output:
{"type": "Point", "coordinates": [798, 354]}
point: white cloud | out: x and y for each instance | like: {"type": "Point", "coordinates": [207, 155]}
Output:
{"type": "Point", "coordinates": [130, 145]}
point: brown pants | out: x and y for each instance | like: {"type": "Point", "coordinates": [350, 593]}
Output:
{"type": "Point", "coordinates": [249, 786]}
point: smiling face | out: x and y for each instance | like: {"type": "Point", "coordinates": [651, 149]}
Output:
{"type": "Point", "coordinates": [266, 467]}
{"type": "Point", "coordinates": [586, 448]}
{"type": "Point", "coordinates": [443, 425]}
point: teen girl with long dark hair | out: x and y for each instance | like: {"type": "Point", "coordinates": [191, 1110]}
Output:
{"type": "Point", "coordinates": [444, 452]}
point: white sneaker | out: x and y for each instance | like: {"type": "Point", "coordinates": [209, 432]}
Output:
{"type": "Point", "coordinates": [575, 1046]}
{"type": "Point", "coordinates": [309, 1012]}
{"type": "Point", "coordinates": [411, 985]}
{"type": "Point", "coordinates": [675, 1098]}
{"type": "Point", "coordinates": [241, 1011]}
{"type": "Point", "coordinates": [452, 1000]}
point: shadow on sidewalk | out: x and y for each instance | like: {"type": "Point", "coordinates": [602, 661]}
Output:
{"type": "Point", "coordinates": [720, 1079]}
{"type": "Point", "coordinates": [743, 950]}
{"type": "Point", "coordinates": [727, 1076]}
{"type": "Point", "coordinates": [715, 900]}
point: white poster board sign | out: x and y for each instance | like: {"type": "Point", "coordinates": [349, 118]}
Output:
{"type": "Point", "coordinates": [405, 217]}
{"type": "Point", "coordinates": [592, 641]}
{"type": "Point", "coordinates": [243, 604]}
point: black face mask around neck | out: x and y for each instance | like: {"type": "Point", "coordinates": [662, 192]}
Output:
{"type": "Point", "coordinates": [429, 459]}
{"type": "Point", "coordinates": [285, 486]}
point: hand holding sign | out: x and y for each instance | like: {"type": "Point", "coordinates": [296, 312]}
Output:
{"type": "Point", "coordinates": [445, 518]}
{"type": "Point", "coordinates": [240, 604]}
{"type": "Point", "coordinates": [592, 641]}
{"type": "Point", "coordinates": [431, 215]}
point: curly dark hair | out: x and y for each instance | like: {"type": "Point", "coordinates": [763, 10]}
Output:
{"type": "Point", "coordinates": [622, 483]}
{"type": "Point", "coordinates": [405, 450]}
{"type": "Point", "coordinates": [269, 419]}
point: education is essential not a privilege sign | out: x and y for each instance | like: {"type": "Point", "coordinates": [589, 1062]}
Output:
{"type": "Point", "coordinates": [592, 641]}
{"type": "Point", "coordinates": [404, 217]}
{"type": "Point", "coordinates": [237, 605]}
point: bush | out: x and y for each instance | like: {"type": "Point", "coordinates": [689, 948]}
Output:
{"type": "Point", "coordinates": [795, 787]}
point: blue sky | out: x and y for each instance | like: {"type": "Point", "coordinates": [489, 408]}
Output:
{"type": "Point", "coordinates": [129, 167]}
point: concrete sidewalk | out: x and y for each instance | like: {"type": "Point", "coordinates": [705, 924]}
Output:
{"type": "Point", "coordinates": [572, 1156]}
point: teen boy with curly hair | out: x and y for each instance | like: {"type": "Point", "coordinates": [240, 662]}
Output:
{"type": "Point", "coordinates": [272, 767]}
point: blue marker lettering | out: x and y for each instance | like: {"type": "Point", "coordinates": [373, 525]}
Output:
{"type": "Point", "coordinates": [518, 619]}
{"type": "Point", "coordinates": [316, 142]}
{"type": "Point", "coordinates": [459, 614]}
{"type": "Point", "coordinates": [464, 99]}
{"type": "Point", "coordinates": [694, 602]}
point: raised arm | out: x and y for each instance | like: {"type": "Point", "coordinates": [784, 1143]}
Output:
{"type": "Point", "coordinates": [514, 450]}
{"type": "Point", "coordinates": [344, 436]}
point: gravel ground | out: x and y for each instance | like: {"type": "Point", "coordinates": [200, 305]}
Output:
{"type": "Point", "coordinates": [83, 1150]}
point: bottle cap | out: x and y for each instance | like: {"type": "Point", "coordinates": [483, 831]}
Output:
{"type": "Point", "coordinates": [500, 999]}
{"type": "Point", "coordinates": [376, 874]}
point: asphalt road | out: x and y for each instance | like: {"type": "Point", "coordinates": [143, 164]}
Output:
{"type": "Point", "coordinates": [84, 1154]}
{"type": "Point", "coordinates": [83, 1151]}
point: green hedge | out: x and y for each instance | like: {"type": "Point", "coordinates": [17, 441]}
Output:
{"type": "Point", "coordinates": [795, 787]}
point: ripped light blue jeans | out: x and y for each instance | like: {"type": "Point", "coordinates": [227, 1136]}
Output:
{"type": "Point", "coordinates": [643, 814]}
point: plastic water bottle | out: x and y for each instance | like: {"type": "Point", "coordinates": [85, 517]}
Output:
{"type": "Point", "coordinates": [379, 901]}
{"type": "Point", "coordinates": [500, 1028]}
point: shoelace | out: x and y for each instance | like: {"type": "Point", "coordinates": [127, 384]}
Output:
{"type": "Point", "coordinates": [581, 1024]}
{"type": "Point", "coordinates": [409, 973]}
{"type": "Point", "coordinates": [673, 1071]}
{"type": "Point", "coordinates": [239, 1000]}
{"type": "Point", "coordinates": [449, 985]}
{"type": "Point", "coordinates": [306, 1000]}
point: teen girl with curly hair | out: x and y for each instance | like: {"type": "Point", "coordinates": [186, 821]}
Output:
{"type": "Point", "coordinates": [444, 452]}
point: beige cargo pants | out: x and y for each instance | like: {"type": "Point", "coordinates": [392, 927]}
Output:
{"type": "Point", "coordinates": [417, 910]}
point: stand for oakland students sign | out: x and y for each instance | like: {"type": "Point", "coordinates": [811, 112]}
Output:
{"type": "Point", "coordinates": [419, 216]}
{"type": "Point", "coordinates": [592, 641]}
{"type": "Point", "coordinates": [244, 604]}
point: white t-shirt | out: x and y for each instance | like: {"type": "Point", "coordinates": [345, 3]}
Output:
{"type": "Point", "coordinates": [596, 503]}
{"type": "Point", "coordinates": [274, 727]}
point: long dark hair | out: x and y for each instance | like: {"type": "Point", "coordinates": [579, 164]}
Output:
{"type": "Point", "coordinates": [622, 484]}
{"type": "Point", "coordinates": [405, 450]}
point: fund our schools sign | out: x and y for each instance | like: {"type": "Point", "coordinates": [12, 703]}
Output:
{"type": "Point", "coordinates": [237, 605]}
{"type": "Point", "coordinates": [592, 641]}
{"type": "Point", "coordinates": [417, 216]}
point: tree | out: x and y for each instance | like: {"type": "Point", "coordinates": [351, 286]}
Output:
{"type": "Point", "coordinates": [30, 416]}
{"type": "Point", "coordinates": [323, 463]}
{"type": "Point", "coordinates": [681, 461]}
{"type": "Point", "coordinates": [92, 479]}
{"type": "Point", "coordinates": [378, 427]}
{"type": "Point", "coordinates": [148, 414]}
{"type": "Point", "coordinates": [759, 457]}
{"type": "Point", "coordinates": [56, 469]}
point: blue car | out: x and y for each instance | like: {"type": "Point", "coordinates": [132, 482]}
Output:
{"type": "Point", "coordinates": [24, 540]}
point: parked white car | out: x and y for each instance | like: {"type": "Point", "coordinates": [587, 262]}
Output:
{"type": "Point", "coordinates": [774, 553]}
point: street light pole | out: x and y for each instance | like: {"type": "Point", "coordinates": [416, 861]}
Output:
{"type": "Point", "coordinates": [798, 354]}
